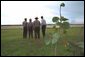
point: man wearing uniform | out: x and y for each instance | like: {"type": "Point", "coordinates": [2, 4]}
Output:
{"type": "Point", "coordinates": [30, 28]}
{"type": "Point", "coordinates": [43, 25]}
{"type": "Point", "coordinates": [25, 28]}
{"type": "Point", "coordinates": [36, 25]}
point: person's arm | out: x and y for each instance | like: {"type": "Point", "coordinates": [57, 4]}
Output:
{"type": "Point", "coordinates": [41, 22]}
{"type": "Point", "coordinates": [23, 24]}
{"type": "Point", "coordinates": [33, 24]}
{"type": "Point", "coordinates": [45, 22]}
{"type": "Point", "coordinates": [27, 26]}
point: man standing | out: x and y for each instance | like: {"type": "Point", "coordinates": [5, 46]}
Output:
{"type": "Point", "coordinates": [37, 28]}
{"type": "Point", "coordinates": [30, 28]}
{"type": "Point", "coordinates": [43, 25]}
{"type": "Point", "coordinates": [25, 28]}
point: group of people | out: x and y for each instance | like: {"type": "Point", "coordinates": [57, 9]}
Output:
{"type": "Point", "coordinates": [30, 27]}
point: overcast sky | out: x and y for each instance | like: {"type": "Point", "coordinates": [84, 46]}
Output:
{"type": "Point", "coordinates": [14, 12]}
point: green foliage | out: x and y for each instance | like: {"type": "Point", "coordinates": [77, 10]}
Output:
{"type": "Point", "coordinates": [62, 23]}
{"type": "Point", "coordinates": [47, 42]}
{"type": "Point", "coordinates": [56, 36]}
{"type": "Point", "coordinates": [59, 23]}
{"type": "Point", "coordinates": [81, 44]}
{"type": "Point", "coordinates": [47, 39]}
{"type": "Point", "coordinates": [55, 19]}
{"type": "Point", "coordinates": [65, 25]}
{"type": "Point", "coordinates": [63, 19]}
{"type": "Point", "coordinates": [52, 39]}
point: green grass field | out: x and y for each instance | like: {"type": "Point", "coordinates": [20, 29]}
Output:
{"type": "Point", "coordinates": [12, 43]}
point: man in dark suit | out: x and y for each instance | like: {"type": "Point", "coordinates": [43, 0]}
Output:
{"type": "Point", "coordinates": [25, 28]}
{"type": "Point", "coordinates": [36, 26]}
{"type": "Point", "coordinates": [30, 28]}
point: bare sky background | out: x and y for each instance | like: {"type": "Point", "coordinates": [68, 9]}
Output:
{"type": "Point", "coordinates": [14, 12]}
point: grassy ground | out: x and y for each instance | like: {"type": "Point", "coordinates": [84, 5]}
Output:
{"type": "Point", "coordinates": [12, 43]}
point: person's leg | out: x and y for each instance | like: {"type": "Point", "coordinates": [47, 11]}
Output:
{"type": "Point", "coordinates": [23, 32]}
{"type": "Point", "coordinates": [38, 32]}
{"type": "Point", "coordinates": [32, 34]}
{"type": "Point", "coordinates": [44, 28]}
{"type": "Point", "coordinates": [29, 33]}
{"type": "Point", "coordinates": [43, 31]}
{"type": "Point", "coordinates": [35, 33]}
{"type": "Point", "coordinates": [26, 32]}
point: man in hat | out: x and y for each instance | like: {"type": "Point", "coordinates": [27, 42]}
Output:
{"type": "Point", "coordinates": [25, 28]}
{"type": "Point", "coordinates": [36, 25]}
{"type": "Point", "coordinates": [43, 25]}
{"type": "Point", "coordinates": [30, 28]}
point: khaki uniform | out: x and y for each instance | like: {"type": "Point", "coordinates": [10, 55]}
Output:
{"type": "Point", "coordinates": [36, 26]}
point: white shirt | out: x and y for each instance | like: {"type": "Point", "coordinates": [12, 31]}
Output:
{"type": "Point", "coordinates": [43, 22]}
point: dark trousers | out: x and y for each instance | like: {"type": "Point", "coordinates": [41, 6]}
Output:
{"type": "Point", "coordinates": [37, 32]}
{"type": "Point", "coordinates": [31, 33]}
{"type": "Point", "coordinates": [43, 30]}
{"type": "Point", "coordinates": [24, 32]}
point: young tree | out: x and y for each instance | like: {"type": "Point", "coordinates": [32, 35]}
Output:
{"type": "Point", "coordinates": [62, 23]}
